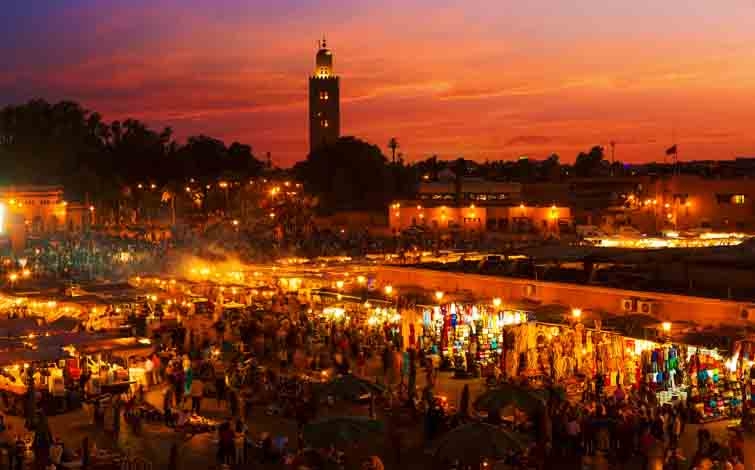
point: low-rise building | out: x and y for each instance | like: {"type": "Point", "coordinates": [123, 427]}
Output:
{"type": "Point", "coordinates": [521, 218]}
{"type": "Point", "coordinates": [478, 205]}
{"type": "Point", "coordinates": [40, 208]}
{"type": "Point", "coordinates": [721, 204]}
{"type": "Point", "coordinates": [36, 210]}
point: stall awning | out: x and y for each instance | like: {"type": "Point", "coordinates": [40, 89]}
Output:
{"type": "Point", "coordinates": [122, 347]}
{"type": "Point", "coordinates": [231, 305]}
{"type": "Point", "coordinates": [64, 324]}
{"type": "Point", "coordinates": [28, 356]}
{"type": "Point", "coordinates": [15, 327]}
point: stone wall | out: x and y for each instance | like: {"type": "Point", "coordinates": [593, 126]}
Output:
{"type": "Point", "coordinates": [666, 307]}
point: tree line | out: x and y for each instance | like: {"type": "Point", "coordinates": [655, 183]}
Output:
{"type": "Point", "coordinates": [63, 143]}
{"type": "Point", "coordinates": [353, 174]}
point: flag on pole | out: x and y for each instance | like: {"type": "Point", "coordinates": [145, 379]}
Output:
{"type": "Point", "coordinates": [671, 150]}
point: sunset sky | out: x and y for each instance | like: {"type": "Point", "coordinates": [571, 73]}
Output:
{"type": "Point", "coordinates": [486, 79]}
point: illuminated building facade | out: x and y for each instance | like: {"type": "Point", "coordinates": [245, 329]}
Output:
{"type": "Point", "coordinates": [324, 101]}
{"type": "Point", "coordinates": [478, 205]}
{"type": "Point", "coordinates": [720, 204]}
{"type": "Point", "coordinates": [40, 208]}
{"type": "Point", "coordinates": [34, 210]}
{"type": "Point", "coordinates": [518, 219]}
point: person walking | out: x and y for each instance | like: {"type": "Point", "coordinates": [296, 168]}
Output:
{"type": "Point", "coordinates": [156, 372]}
{"type": "Point", "coordinates": [676, 430]}
{"type": "Point", "coordinates": [197, 392]}
{"type": "Point", "coordinates": [220, 388]}
{"type": "Point", "coordinates": [149, 368]}
{"type": "Point", "coordinates": [179, 386]}
{"type": "Point", "coordinates": [85, 453]}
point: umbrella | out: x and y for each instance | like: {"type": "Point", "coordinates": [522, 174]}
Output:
{"type": "Point", "coordinates": [471, 443]}
{"type": "Point", "coordinates": [351, 387]}
{"type": "Point", "coordinates": [308, 458]}
{"type": "Point", "coordinates": [497, 398]}
{"type": "Point", "coordinates": [341, 432]}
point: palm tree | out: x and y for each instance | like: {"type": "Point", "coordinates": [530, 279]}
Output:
{"type": "Point", "coordinates": [393, 145]}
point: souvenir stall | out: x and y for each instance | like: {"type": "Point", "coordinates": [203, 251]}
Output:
{"type": "Point", "coordinates": [569, 355]}
{"type": "Point", "coordinates": [660, 367]}
{"type": "Point", "coordinates": [559, 352]}
{"type": "Point", "coordinates": [467, 337]}
{"type": "Point", "coordinates": [743, 360]}
{"type": "Point", "coordinates": [715, 391]}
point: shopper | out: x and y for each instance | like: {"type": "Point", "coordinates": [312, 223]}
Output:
{"type": "Point", "coordinates": [197, 392]}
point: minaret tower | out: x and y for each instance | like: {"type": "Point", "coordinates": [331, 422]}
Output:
{"type": "Point", "coordinates": [324, 101]}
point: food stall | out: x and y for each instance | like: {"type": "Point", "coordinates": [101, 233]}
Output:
{"type": "Point", "coordinates": [44, 369]}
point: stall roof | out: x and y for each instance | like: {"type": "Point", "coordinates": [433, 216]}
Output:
{"type": "Point", "coordinates": [74, 338]}
{"type": "Point", "coordinates": [107, 287]}
{"type": "Point", "coordinates": [20, 356]}
{"type": "Point", "coordinates": [14, 327]}
{"type": "Point", "coordinates": [233, 305]}
{"type": "Point", "coordinates": [116, 344]}
{"type": "Point", "coordinates": [64, 323]}
{"type": "Point", "coordinates": [87, 299]}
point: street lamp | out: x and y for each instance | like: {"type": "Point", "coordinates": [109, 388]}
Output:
{"type": "Point", "coordinates": [388, 290]}
{"type": "Point", "coordinates": [576, 313]}
{"type": "Point", "coordinates": [439, 295]}
{"type": "Point", "coordinates": [224, 185]}
{"type": "Point", "coordinates": [666, 326]}
{"type": "Point", "coordinates": [497, 302]}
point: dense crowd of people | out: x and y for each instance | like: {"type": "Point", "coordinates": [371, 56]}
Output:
{"type": "Point", "coordinates": [274, 362]}
{"type": "Point", "coordinates": [84, 257]}
{"type": "Point", "coordinates": [624, 425]}
{"type": "Point", "coordinates": [295, 347]}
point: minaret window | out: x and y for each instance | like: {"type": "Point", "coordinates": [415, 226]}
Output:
{"type": "Point", "coordinates": [323, 96]}
{"type": "Point", "coordinates": [324, 123]}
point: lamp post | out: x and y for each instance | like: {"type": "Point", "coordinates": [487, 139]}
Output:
{"type": "Point", "coordinates": [224, 185]}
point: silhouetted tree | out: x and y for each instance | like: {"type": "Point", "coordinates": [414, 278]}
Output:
{"type": "Point", "coordinates": [525, 170]}
{"type": "Point", "coordinates": [63, 143]}
{"type": "Point", "coordinates": [551, 169]}
{"type": "Point", "coordinates": [589, 164]}
{"type": "Point", "coordinates": [393, 145]}
{"type": "Point", "coordinates": [348, 174]}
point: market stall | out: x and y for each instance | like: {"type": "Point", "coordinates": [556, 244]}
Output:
{"type": "Point", "coordinates": [46, 375]}
{"type": "Point", "coordinates": [715, 392]}
{"type": "Point", "coordinates": [468, 337]}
